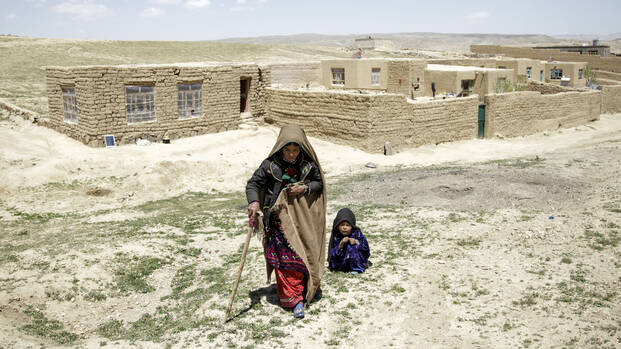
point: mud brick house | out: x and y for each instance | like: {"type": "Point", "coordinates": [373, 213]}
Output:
{"type": "Point", "coordinates": [150, 101]}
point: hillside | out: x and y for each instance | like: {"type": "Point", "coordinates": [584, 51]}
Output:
{"type": "Point", "coordinates": [423, 41]}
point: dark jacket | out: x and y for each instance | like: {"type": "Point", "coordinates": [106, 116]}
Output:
{"type": "Point", "coordinates": [269, 178]}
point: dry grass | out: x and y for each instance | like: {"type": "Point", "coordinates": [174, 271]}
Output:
{"type": "Point", "coordinates": [22, 60]}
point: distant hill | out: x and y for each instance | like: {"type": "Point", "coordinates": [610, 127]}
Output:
{"type": "Point", "coordinates": [589, 37]}
{"type": "Point", "coordinates": [414, 41]}
{"type": "Point", "coordinates": [615, 45]}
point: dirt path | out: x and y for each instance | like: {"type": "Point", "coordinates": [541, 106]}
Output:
{"type": "Point", "coordinates": [495, 243]}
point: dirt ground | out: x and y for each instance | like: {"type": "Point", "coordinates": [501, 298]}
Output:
{"type": "Point", "coordinates": [497, 243]}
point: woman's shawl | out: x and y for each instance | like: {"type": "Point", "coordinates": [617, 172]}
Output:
{"type": "Point", "coordinates": [303, 218]}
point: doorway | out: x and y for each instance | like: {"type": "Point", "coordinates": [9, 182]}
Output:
{"type": "Point", "coordinates": [244, 88]}
{"type": "Point", "coordinates": [481, 119]}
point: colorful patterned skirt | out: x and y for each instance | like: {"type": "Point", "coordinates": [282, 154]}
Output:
{"type": "Point", "coordinates": [290, 270]}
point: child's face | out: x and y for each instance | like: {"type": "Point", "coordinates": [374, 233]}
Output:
{"type": "Point", "coordinates": [345, 228]}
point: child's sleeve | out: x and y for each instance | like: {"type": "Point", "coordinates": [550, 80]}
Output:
{"type": "Point", "coordinates": [363, 246]}
{"type": "Point", "coordinates": [336, 254]}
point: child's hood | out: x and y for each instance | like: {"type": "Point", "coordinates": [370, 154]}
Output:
{"type": "Point", "coordinates": [343, 215]}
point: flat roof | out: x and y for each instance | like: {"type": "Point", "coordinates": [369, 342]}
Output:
{"type": "Point", "coordinates": [160, 65]}
{"type": "Point", "coordinates": [444, 67]}
{"type": "Point", "coordinates": [568, 47]}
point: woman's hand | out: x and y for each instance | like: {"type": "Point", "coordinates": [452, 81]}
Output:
{"type": "Point", "coordinates": [353, 241]}
{"type": "Point", "coordinates": [253, 211]}
{"type": "Point", "coordinates": [296, 190]}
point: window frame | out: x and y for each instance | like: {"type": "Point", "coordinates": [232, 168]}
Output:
{"type": "Point", "coordinates": [338, 76]}
{"type": "Point", "coordinates": [376, 76]}
{"type": "Point", "coordinates": [500, 87]}
{"type": "Point", "coordinates": [70, 105]}
{"type": "Point", "coordinates": [469, 84]}
{"type": "Point", "coordinates": [193, 95]}
{"type": "Point", "coordinates": [556, 73]}
{"type": "Point", "coordinates": [140, 104]}
{"type": "Point", "coordinates": [580, 73]}
{"type": "Point", "coordinates": [529, 72]}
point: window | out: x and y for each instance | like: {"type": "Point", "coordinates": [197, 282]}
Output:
{"type": "Point", "coordinates": [140, 103]}
{"type": "Point", "coordinates": [529, 72]}
{"type": "Point", "coordinates": [502, 67]}
{"type": "Point", "coordinates": [375, 76]}
{"type": "Point", "coordinates": [580, 71]}
{"type": "Point", "coordinates": [556, 74]}
{"type": "Point", "coordinates": [338, 76]}
{"type": "Point", "coordinates": [190, 100]}
{"type": "Point", "coordinates": [541, 75]}
{"type": "Point", "coordinates": [70, 107]}
{"type": "Point", "coordinates": [500, 85]}
{"type": "Point", "coordinates": [466, 88]}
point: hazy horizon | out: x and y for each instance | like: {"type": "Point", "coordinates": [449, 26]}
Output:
{"type": "Point", "coordinates": [206, 20]}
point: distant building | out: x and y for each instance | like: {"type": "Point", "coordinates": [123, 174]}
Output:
{"type": "Point", "coordinates": [463, 81]}
{"type": "Point", "coordinates": [370, 43]}
{"type": "Point", "coordinates": [590, 50]}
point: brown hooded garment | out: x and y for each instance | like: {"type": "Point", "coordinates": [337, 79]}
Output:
{"type": "Point", "coordinates": [303, 218]}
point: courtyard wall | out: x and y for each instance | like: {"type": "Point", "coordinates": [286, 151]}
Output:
{"type": "Point", "coordinates": [523, 113]}
{"type": "Point", "coordinates": [367, 121]}
{"type": "Point", "coordinates": [611, 99]}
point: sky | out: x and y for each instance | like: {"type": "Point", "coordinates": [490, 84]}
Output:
{"type": "Point", "coordinates": [219, 19]}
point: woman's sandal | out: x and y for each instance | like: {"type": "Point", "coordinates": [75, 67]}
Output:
{"type": "Point", "coordinates": [298, 311]}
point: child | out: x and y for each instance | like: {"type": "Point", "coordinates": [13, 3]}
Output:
{"type": "Point", "coordinates": [348, 249]}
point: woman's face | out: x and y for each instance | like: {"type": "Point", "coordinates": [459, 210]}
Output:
{"type": "Point", "coordinates": [290, 152]}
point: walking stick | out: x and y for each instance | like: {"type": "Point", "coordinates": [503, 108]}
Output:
{"type": "Point", "coordinates": [241, 267]}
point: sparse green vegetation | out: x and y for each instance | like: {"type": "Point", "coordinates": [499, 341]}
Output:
{"type": "Point", "coordinates": [95, 296]}
{"type": "Point", "coordinates": [39, 325]}
{"type": "Point", "coordinates": [528, 300]}
{"type": "Point", "coordinates": [600, 241]}
{"type": "Point", "coordinates": [469, 242]}
{"type": "Point", "coordinates": [519, 163]}
{"type": "Point", "coordinates": [131, 276]}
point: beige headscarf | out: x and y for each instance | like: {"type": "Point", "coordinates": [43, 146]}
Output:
{"type": "Point", "coordinates": [303, 218]}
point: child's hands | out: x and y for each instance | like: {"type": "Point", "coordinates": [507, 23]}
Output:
{"type": "Point", "coordinates": [346, 240]}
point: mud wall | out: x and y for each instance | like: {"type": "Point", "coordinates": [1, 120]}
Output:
{"type": "Point", "coordinates": [522, 113]}
{"type": "Point", "coordinates": [548, 89]}
{"type": "Point", "coordinates": [295, 74]}
{"type": "Point", "coordinates": [367, 121]}
{"type": "Point", "coordinates": [611, 99]}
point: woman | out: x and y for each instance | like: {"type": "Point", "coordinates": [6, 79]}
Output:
{"type": "Point", "coordinates": [288, 188]}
